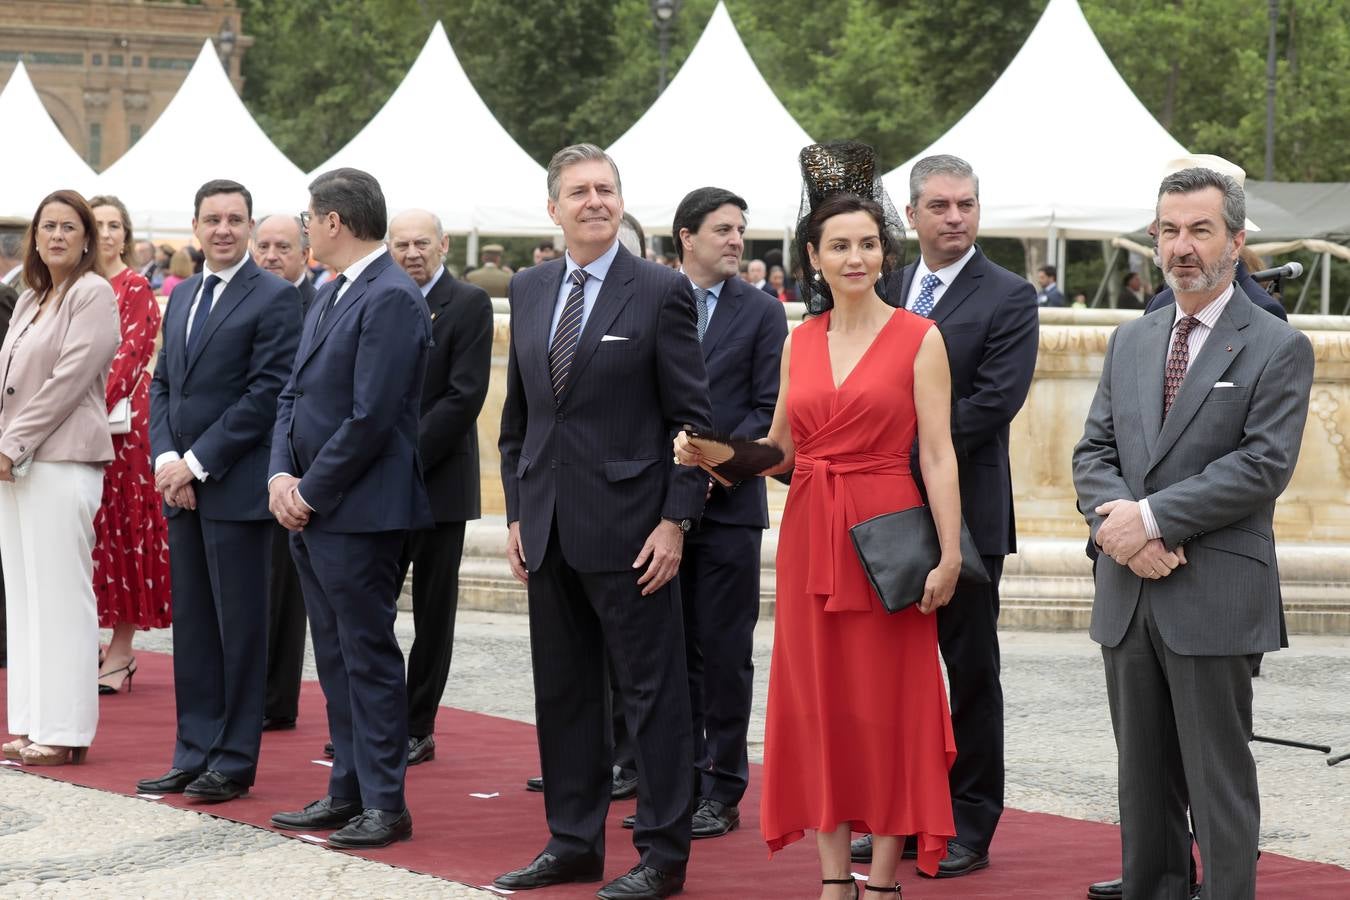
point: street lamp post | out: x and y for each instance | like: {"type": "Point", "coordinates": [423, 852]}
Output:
{"type": "Point", "coordinates": [225, 40]}
{"type": "Point", "coordinates": [664, 12]}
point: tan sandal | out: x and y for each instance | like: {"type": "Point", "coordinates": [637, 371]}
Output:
{"type": "Point", "coordinates": [42, 755]}
{"type": "Point", "coordinates": [13, 749]}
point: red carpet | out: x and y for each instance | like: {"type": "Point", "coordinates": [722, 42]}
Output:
{"type": "Point", "coordinates": [470, 840]}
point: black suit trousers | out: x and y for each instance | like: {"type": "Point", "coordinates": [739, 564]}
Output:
{"type": "Point", "coordinates": [968, 636]}
{"type": "Point", "coordinates": [285, 632]}
{"type": "Point", "coordinates": [719, 583]}
{"type": "Point", "coordinates": [350, 582]}
{"type": "Point", "coordinates": [579, 622]}
{"type": "Point", "coordinates": [219, 575]}
{"type": "Point", "coordinates": [434, 554]}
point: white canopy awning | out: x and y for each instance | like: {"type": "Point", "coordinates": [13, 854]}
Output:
{"type": "Point", "coordinates": [1033, 178]}
{"type": "Point", "coordinates": [35, 157]}
{"type": "Point", "coordinates": [435, 145]}
{"type": "Point", "coordinates": [667, 153]}
{"type": "Point", "coordinates": [204, 133]}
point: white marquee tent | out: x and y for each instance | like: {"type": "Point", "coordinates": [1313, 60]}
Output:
{"type": "Point", "coordinates": [435, 145]}
{"type": "Point", "coordinates": [665, 154]}
{"type": "Point", "coordinates": [205, 132]}
{"type": "Point", "coordinates": [36, 159]}
{"type": "Point", "coordinates": [1034, 181]}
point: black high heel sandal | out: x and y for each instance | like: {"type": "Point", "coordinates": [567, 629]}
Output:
{"type": "Point", "coordinates": [129, 668]}
{"type": "Point", "coordinates": [893, 889]}
{"type": "Point", "coordinates": [843, 881]}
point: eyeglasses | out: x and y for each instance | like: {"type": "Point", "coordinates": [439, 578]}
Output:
{"type": "Point", "coordinates": [304, 219]}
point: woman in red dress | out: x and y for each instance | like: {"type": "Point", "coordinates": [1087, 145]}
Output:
{"type": "Point", "coordinates": [131, 549]}
{"type": "Point", "coordinates": [858, 734]}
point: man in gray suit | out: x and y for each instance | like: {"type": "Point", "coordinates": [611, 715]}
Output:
{"type": "Point", "coordinates": [1192, 435]}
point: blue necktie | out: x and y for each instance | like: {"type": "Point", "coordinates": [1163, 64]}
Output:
{"type": "Point", "coordinates": [564, 346]}
{"type": "Point", "coordinates": [701, 299]}
{"type": "Point", "coordinates": [202, 314]}
{"type": "Point", "coordinates": [923, 304]}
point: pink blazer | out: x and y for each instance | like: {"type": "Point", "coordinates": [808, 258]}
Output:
{"type": "Point", "coordinates": [55, 373]}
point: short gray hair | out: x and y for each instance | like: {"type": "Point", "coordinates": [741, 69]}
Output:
{"type": "Point", "coordinates": [570, 156]}
{"type": "Point", "coordinates": [299, 226]}
{"type": "Point", "coordinates": [942, 164]}
{"type": "Point", "coordinates": [1188, 181]}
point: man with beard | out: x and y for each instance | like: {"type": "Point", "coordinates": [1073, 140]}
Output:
{"type": "Point", "coordinates": [1192, 436]}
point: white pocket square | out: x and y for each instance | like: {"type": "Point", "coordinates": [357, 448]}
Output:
{"type": "Point", "coordinates": [612, 337]}
{"type": "Point", "coordinates": [1219, 384]}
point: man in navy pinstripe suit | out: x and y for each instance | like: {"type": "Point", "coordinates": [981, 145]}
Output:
{"type": "Point", "coordinates": [604, 367]}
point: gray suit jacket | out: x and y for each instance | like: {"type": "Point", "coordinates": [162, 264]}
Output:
{"type": "Point", "coordinates": [1211, 472]}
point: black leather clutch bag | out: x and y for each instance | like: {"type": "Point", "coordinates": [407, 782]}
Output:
{"type": "Point", "coordinates": [899, 549]}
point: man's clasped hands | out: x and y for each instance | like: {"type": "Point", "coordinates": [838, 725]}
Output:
{"type": "Point", "coordinates": [1123, 538]}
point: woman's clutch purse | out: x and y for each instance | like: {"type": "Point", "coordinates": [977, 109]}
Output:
{"type": "Point", "coordinates": [119, 417]}
{"type": "Point", "coordinates": [729, 460]}
{"type": "Point", "coordinates": [899, 549]}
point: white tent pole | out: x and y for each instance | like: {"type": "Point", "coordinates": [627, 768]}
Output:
{"type": "Point", "coordinates": [471, 250]}
{"type": "Point", "coordinates": [1051, 245]}
{"type": "Point", "coordinates": [787, 251]}
{"type": "Point", "coordinates": [1326, 284]}
{"type": "Point", "coordinates": [1061, 265]}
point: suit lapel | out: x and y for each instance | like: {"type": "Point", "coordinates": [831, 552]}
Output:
{"type": "Point", "coordinates": [536, 318]}
{"type": "Point", "coordinates": [355, 292]}
{"type": "Point", "coordinates": [1221, 347]}
{"type": "Point", "coordinates": [438, 299]}
{"type": "Point", "coordinates": [1151, 364]}
{"type": "Point", "coordinates": [239, 287]}
{"type": "Point", "coordinates": [728, 308]}
{"type": "Point", "coordinates": [966, 283]}
{"type": "Point", "coordinates": [615, 292]}
{"type": "Point", "coordinates": [175, 320]}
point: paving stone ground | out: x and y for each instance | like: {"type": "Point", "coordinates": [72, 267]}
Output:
{"type": "Point", "coordinates": [57, 840]}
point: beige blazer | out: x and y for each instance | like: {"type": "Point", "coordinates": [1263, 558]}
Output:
{"type": "Point", "coordinates": [52, 407]}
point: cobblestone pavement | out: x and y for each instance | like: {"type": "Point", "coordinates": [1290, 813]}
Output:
{"type": "Point", "coordinates": [63, 841]}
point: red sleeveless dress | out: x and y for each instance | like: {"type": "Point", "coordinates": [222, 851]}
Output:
{"type": "Point", "coordinates": [858, 729]}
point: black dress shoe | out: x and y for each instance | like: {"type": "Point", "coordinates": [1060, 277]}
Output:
{"type": "Point", "coordinates": [623, 787]}
{"type": "Point", "coordinates": [629, 821]}
{"type": "Point", "coordinates": [373, 828]}
{"type": "Point", "coordinates": [547, 869]}
{"type": "Point", "coordinates": [320, 815]}
{"type": "Point", "coordinates": [1111, 890]}
{"type": "Point", "coordinates": [278, 723]}
{"type": "Point", "coordinates": [173, 781]}
{"type": "Point", "coordinates": [213, 787]}
{"type": "Point", "coordinates": [713, 818]}
{"type": "Point", "coordinates": [961, 860]}
{"type": "Point", "coordinates": [642, 883]}
{"type": "Point", "coordinates": [535, 784]}
{"type": "Point", "coordinates": [860, 849]}
{"type": "Point", "coordinates": [328, 750]}
{"type": "Point", "coordinates": [421, 749]}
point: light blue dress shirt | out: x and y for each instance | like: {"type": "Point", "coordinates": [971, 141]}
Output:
{"type": "Point", "coordinates": [597, 269]}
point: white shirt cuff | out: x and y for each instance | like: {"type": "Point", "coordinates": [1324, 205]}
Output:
{"type": "Point", "coordinates": [297, 488]}
{"type": "Point", "coordinates": [191, 459]}
{"type": "Point", "coordinates": [165, 458]}
{"type": "Point", "coordinates": [1150, 523]}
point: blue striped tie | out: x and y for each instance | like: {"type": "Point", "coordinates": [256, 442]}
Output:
{"type": "Point", "coordinates": [923, 304]}
{"type": "Point", "coordinates": [564, 346]}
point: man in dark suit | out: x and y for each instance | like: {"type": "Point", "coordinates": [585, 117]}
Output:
{"type": "Point", "coordinates": [1049, 293]}
{"type": "Point", "coordinates": [1192, 436]}
{"type": "Point", "coordinates": [453, 392]}
{"type": "Point", "coordinates": [988, 319]}
{"type": "Point", "coordinates": [280, 247]}
{"type": "Point", "coordinates": [742, 330]}
{"type": "Point", "coordinates": [230, 334]}
{"type": "Point", "coordinates": [347, 482]}
{"type": "Point", "coordinates": [604, 368]}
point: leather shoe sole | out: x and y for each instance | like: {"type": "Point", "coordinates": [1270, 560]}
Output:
{"type": "Point", "coordinates": [174, 782]}
{"type": "Point", "coordinates": [316, 819]}
{"type": "Point", "coordinates": [358, 834]}
{"type": "Point", "coordinates": [969, 864]}
{"type": "Point", "coordinates": [550, 872]}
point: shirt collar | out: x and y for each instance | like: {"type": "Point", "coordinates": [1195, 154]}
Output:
{"type": "Point", "coordinates": [426, 288]}
{"type": "Point", "coordinates": [597, 268]}
{"type": "Point", "coordinates": [715, 290]}
{"type": "Point", "coordinates": [354, 271]}
{"type": "Point", "coordinates": [225, 274]}
{"type": "Point", "coordinates": [1208, 316]}
{"type": "Point", "coordinates": [947, 274]}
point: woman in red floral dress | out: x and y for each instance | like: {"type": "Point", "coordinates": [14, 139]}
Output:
{"type": "Point", "coordinates": [131, 548]}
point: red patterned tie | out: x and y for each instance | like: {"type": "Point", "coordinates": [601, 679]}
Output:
{"type": "Point", "coordinates": [1177, 362]}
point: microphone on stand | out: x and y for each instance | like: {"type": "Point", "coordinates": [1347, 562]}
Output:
{"type": "Point", "coordinates": [1288, 270]}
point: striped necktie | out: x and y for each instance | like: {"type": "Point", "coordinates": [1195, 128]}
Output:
{"type": "Point", "coordinates": [564, 346]}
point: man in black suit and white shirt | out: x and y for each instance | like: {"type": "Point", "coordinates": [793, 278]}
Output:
{"type": "Point", "coordinates": [988, 319]}
{"type": "Point", "coordinates": [742, 330]}
{"type": "Point", "coordinates": [280, 247]}
{"type": "Point", "coordinates": [453, 392]}
{"type": "Point", "coordinates": [604, 368]}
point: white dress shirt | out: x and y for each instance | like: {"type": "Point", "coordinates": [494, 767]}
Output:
{"type": "Point", "coordinates": [431, 283]}
{"type": "Point", "coordinates": [597, 269]}
{"type": "Point", "coordinates": [946, 275]}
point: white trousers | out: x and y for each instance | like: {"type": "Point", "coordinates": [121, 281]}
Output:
{"type": "Point", "coordinates": [47, 544]}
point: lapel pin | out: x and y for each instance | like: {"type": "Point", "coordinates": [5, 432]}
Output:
{"type": "Point", "coordinates": [1229, 349]}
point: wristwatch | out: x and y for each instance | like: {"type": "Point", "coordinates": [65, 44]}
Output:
{"type": "Point", "coordinates": [683, 524]}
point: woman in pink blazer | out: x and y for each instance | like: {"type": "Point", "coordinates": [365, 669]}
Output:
{"type": "Point", "coordinates": [54, 443]}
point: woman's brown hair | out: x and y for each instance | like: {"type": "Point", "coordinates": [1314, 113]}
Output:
{"type": "Point", "coordinates": [35, 271]}
{"type": "Point", "coordinates": [128, 243]}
